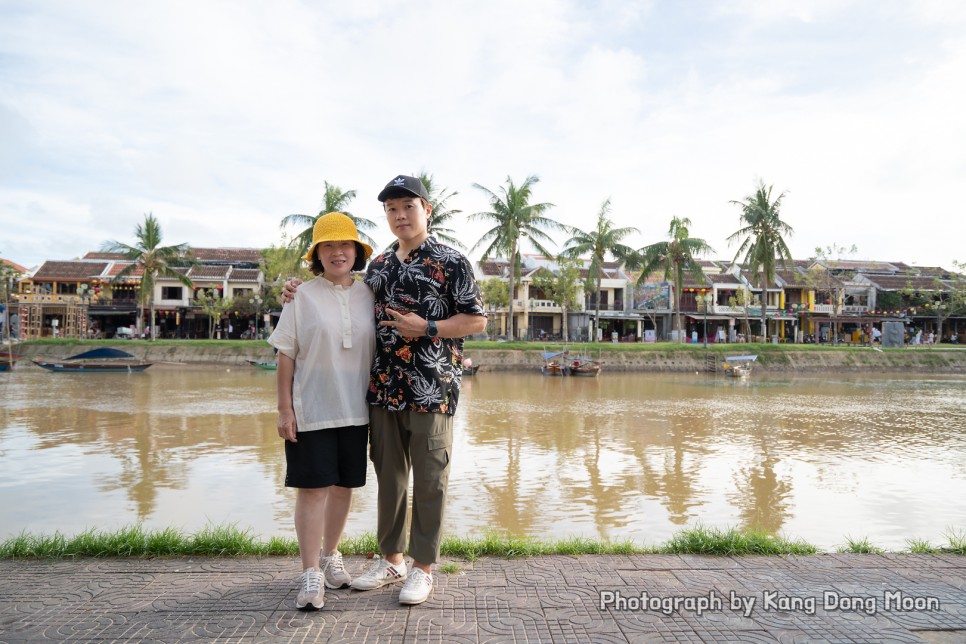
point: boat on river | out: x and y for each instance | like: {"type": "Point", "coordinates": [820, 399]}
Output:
{"type": "Point", "coordinates": [586, 367]}
{"type": "Point", "coordinates": [103, 360]}
{"type": "Point", "coordinates": [8, 359]}
{"type": "Point", "coordinates": [555, 364]}
{"type": "Point", "coordinates": [267, 365]}
{"type": "Point", "coordinates": [739, 366]}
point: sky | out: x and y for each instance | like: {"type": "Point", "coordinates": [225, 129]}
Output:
{"type": "Point", "coordinates": [221, 118]}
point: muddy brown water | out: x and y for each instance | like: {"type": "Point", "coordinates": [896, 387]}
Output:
{"type": "Point", "coordinates": [623, 456]}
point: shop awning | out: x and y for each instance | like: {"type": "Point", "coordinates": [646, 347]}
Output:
{"type": "Point", "coordinates": [700, 316]}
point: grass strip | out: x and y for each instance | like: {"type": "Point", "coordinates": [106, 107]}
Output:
{"type": "Point", "coordinates": [231, 541]}
{"type": "Point", "coordinates": [713, 541]}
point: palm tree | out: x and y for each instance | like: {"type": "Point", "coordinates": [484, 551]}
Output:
{"type": "Point", "coordinates": [673, 257]}
{"type": "Point", "coordinates": [335, 200]}
{"type": "Point", "coordinates": [514, 217]}
{"type": "Point", "coordinates": [153, 259]}
{"type": "Point", "coordinates": [441, 221]}
{"type": "Point", "coordinates": [763, 245]}
{"type": "Point", "coordinates": [601, 241]}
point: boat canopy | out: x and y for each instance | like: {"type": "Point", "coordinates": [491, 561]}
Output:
{"type": "Point", "coordinates": [751, 358]}
{"type": "Point", "coordinates": [547, 355]}
{"type": "Point", "coordinates": [101, 354]}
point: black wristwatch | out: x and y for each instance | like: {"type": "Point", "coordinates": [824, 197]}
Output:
{"type": "Point", "coordinates": [431, 330]}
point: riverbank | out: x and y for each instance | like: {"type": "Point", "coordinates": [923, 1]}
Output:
{"type": "Point", "coordinates": [496, 356]}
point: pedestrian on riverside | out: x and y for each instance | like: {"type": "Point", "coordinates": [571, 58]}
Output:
{"type": "Point", "coordinates": [325, 342]}
{"type": "Point", "coordinates": [427, 301]}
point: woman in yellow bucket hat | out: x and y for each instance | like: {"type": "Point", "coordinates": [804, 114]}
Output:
{"type": "Point", "coordinates": [325, 345]}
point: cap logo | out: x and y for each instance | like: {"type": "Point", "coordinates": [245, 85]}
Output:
{"type": "Point", "coordinates": [398, 181]}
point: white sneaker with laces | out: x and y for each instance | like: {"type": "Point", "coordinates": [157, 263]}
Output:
{"type": "Point", "coordinates": [311, 593]}
{"type": "Point", "coordinates": [417, 589]}
{"type": "Point", "coordinates": [380, 573]}
{"type": "Point", "coordinates": [334, 571]}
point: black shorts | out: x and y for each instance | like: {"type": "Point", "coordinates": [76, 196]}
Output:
{"type": "Point", "coordinates": [324, 457]}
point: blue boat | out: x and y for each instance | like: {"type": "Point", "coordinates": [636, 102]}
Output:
{"type": "Point", "coordinates": [7, 360]}
{"type": "Point", "coordinates": [104, 360]}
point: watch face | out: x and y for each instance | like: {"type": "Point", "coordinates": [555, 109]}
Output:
{"type": "Point", "coordinates": [431, 330]}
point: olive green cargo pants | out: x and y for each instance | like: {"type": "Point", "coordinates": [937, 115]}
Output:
{"type": "Point", "coordinates": [400, 441]}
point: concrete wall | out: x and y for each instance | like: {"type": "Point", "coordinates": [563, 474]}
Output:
{"type": "Point", "coordinates": [921, 360]}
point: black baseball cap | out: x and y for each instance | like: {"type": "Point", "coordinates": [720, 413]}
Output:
{"type": "Point", "coordinates": [404, 186]}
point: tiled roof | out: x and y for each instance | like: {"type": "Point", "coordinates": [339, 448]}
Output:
{"type": "Point", "coordinates": [15, 266]}
{"type": "Point", "coordinates": [934, 271]}
{"type": "Point", "coordinates": [793, 278]}
{"type": "Point", "coordinates": [96, 255]}
{"type": "Point", "coordinates": [78, 271]}
{"type": "Point", "coordinates": [899, 282]}
{"type": "Point", "coordinates": [723, 278]}
{"type": "Point", "coordinates": [176, 269]}
{"type": "Point", "coordinates": [692, 280]}
{"type": "Point", "coordinates": [246, 255]}
{"type": "Point", "coordinates": [245, 275]}
{"type": "Point", "coordinates": [201, 272]}
{"type": "Point", "coordinates": [493, 267]}
{"type": "Point", "coordinates": [117, 267]}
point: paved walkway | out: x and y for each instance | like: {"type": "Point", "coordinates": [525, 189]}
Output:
{"type": "Point", "coordinates": [822, 598]}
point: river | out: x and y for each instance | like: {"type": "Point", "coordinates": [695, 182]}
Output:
{"type": "Point", "coordinates": [623, 456]}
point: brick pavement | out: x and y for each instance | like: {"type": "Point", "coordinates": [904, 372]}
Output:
{"type": "Point", "coordinates": [543, 599]}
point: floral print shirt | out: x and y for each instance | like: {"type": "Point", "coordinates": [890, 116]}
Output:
{"type": "Point", "coordinates": [420, 374]}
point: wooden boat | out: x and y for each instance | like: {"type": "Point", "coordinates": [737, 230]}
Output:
{"type": "Point", "coordinates": [104, 360]}
{"type": "Point", "coordinates": [554, 364]}
{"type": "Point", "coordinates": [264, 364]}
{"type": "Point", "coordinates": [7, 360]}
{"type": "Point", "coordinates": [471, 370]}
{"type": "Point", "coordinates": [585, 367]}
{"type": "Point", "coordinates": [739, 366]}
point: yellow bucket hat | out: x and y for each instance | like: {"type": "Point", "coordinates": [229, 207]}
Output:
{"type": "Point", "coordinates": [335, 226]}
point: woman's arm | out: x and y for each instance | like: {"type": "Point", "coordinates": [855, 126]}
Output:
{"type": "Point", "coordinates": [286, 412]}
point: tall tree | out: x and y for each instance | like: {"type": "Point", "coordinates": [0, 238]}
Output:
{"type": "Point", "coordinates": [762, 241]}
{"type": "Point", "coordinates": [442, 220]}
{"type": "Point", "coordinates": [335, 200]}
{"type": "Point", "coordinates": [496, 294]}
{"type": "Point", "coordinates": [561, 287]}
{"type": "Point", "coordinates": [280, 263]}
{"type": "Point", "coordinates": [153, 259]}
{"type": "Point", "coordinates": [214, 306]}
{"type": "Point", "coordinates": [600, 242]}
{"type": "Point", "coordinates": [672, 258]}
{"type": "Point", "coordinates": [514, 217]}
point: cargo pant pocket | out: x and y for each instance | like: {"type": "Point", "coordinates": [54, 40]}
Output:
{"type": "Point", "coordinates": [438, 449]}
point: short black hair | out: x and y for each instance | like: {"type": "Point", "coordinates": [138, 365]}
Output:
{"type": "Point", "coordinates": [360, 263]}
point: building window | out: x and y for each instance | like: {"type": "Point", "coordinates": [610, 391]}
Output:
{"type": "Point", "coordinates": [66, 288]}
{"type": "Point", "coordinates": [242, 292]}
{"type": "Point", "coordinates": [170, 292]}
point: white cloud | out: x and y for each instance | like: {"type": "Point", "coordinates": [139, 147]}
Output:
{"type": "Point", "coordinates": [221, 118]}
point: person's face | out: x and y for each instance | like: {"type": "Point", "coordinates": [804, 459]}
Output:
{"type": "Point", "coordinates": [337, 258]}
{"type": "Point", "coordinates": [408, 218]}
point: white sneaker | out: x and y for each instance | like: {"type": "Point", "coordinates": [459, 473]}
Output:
{"type": "Point", "coordinates": [311, 593]}
{"type": "Point", "coordinates": [334, 571]}
{"type": "Point", "coordinates": [417, 589]}
{"type": "Point", "coordinates": [380, 573]}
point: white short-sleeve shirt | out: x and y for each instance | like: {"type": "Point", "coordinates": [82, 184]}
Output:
{"type": "Point", "coordinates": [330, 332]}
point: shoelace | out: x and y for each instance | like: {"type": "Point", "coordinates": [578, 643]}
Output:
{"type": "Point", "coordinates": [312, 581]}
{"type": "Point", "coordinates": [334, 563]}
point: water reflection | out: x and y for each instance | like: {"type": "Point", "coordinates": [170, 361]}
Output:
{"type": "Point", "coordinates": [623, 456]}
